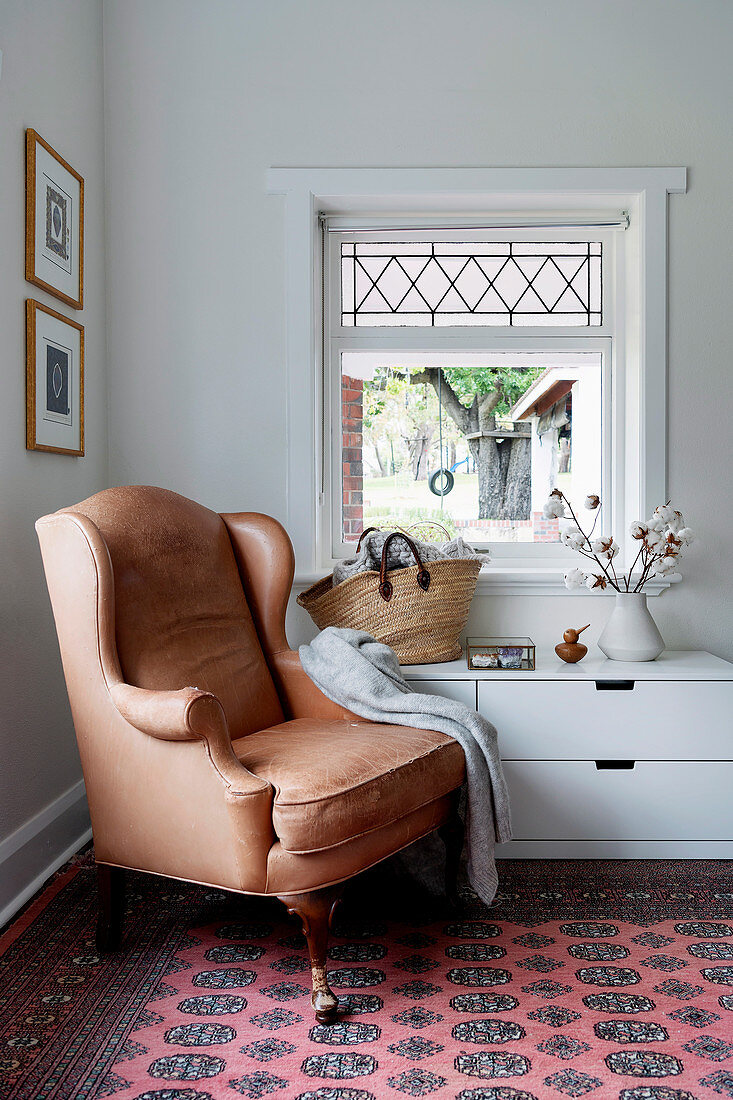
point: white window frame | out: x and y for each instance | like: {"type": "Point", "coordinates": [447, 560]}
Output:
{"type": "Point", "coordinates": [459, 338]}
{"type": "Point", "coordinates": [639, 442]}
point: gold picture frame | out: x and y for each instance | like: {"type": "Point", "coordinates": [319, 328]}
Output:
{"type": "Point", "coordinates": [54, 370]}
{"type": "Point", "coordinates": [54, 223]}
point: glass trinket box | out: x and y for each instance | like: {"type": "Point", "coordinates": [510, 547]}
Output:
{"type": "Point", "coordinates": [486, 654]}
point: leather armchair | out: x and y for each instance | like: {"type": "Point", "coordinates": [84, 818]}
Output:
{"type": "Point", "coordinates": [208, 754]}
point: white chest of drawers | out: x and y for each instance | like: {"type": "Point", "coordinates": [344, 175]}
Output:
{"type": "Point", "coordinates": [608, 759]}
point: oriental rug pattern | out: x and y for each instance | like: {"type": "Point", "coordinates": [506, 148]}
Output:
{"type": "Point", "coordinates": [586, 978]}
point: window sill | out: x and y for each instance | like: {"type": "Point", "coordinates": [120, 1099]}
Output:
{"type": "Point", "coordinates": [516, 580]}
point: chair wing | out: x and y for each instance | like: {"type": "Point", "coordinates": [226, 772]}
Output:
{"type": "Point", "coordinates": [266, 562]}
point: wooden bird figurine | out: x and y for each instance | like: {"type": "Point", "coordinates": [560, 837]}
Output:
{"type": "Point", "coordinates": [571, 650]}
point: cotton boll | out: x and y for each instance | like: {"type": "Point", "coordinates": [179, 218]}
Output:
{"type": "Point", "coordinates": [665, 512]}
{"type": "Point", "coordinates": [612, 550]}
{"type": "Point", "coordinates": [595, 580]}
{"type": "Point", "coordinates": [574, 579]}
{"type": "Point", "coordinates": [686, 535]}
{"type": "Point", "coordinates": [602, 545]}
{"type": "Point", "coordinates": [667, 564]}
{"type": "Point", "coordinates": [573, 537]}
{"type": "Point", "coordinates": [592, 501]}
{"type": "Point", "coordinates": [638, 530]}
{"type": "Point", "coordinates": [554, 508]}
{"type": "Point", "coordinates": [654, 539]}
{"type": "Point", "coordinates": [676, 523]}
{"type": "Point", "coordinates": [655, 523]}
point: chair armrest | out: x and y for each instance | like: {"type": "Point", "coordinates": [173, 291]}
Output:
{"type": "Point", "coordinates": [298, 694]}
{"type": "Point", "coordinates": [188, 714]}
{"type": "Point", "coordinates": [169, 715]}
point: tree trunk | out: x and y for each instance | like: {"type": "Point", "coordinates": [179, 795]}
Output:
{"type": "Point", "coordinates": [420, 451]}
{"type": "Point", "coordinates": [383, 471]}
{"type": "Point", "coordinates": [504, 477]}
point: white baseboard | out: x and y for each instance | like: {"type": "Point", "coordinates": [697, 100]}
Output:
{"type": "Point", "coordinates": [33, 852]}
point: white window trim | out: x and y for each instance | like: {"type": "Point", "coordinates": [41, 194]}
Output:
{"type": "Point", "coordinates": [470, 192]}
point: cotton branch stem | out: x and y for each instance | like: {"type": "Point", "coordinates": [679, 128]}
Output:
{"type": "Point", "coordinates": [631, 571]}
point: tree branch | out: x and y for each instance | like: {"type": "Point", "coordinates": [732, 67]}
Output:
{"type": "Point", "coordinates": [490, 400]}
{"type": "Point", "coordinates": [457, 411]}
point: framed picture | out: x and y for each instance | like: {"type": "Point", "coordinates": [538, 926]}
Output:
{"type": "Point", "coordinates": [54, 222]}
{"type": "Point", "coordinates": [54, 381]}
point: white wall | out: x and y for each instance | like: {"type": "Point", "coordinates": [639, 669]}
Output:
{"type": "Point", "coordinates": [51, 81]}
{"type": "Point", "coordinates": [202, 98]}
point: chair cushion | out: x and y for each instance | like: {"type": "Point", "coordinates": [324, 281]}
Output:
{"type": "Point", "coordinates": [336, 780]}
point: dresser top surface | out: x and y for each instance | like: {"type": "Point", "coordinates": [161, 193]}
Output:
{"type": "Point", "coordinates": [671, 665]}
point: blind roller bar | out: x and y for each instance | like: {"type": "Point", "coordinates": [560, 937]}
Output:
{"type": "Point", "coordinates": [334, 224]}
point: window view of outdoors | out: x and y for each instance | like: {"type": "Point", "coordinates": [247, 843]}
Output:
{"type": "Point", "coordinates": [475, 442]}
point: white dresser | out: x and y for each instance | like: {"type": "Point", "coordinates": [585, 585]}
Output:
{"type": "Point", "coordinates": [608, 759]}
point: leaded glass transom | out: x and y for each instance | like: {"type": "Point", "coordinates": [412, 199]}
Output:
{"type": "Point", "coordinates": [446, 283]}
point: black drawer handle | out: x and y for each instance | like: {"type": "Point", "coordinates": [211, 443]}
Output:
{"type": "Point", "coordinates": [615, 765]}
{"type": "Point", "coordinates": [615, 685]}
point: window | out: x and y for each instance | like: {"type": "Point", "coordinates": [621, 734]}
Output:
{"type": "Point", "coordinates": [470, 373]}
{"type": "Point", "coordinates": [439, 282]}
{"type": "Point", "coordinates": [580, 350]}
{"type": "Point", "coordinates": [416, 445]}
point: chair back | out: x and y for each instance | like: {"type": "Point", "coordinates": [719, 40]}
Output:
{"type": "Point", "coordinates": [181, 615]}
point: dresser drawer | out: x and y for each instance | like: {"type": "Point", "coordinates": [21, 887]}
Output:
{"type": "Point", "coordinates": [656, 800]}
{"type": "Point", "coordinates": [463, 691]}
{"type": "Point", "coordinates": [656, 720]}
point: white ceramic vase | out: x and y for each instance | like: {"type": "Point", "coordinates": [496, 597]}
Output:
{"type": "Point", "coordinates": [631, 633]}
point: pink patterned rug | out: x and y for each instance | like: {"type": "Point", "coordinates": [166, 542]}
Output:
{"type": "Point", "coordinates": [600, 979]}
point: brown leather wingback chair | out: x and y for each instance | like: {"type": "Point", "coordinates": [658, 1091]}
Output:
{"type": "Point", "coordinates": [208, 754]}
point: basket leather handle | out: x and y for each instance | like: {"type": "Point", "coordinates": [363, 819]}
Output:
{"type": "Point", "coordinates": [385, 586]}
{"type": "Point", "coordinates": [364, 533]}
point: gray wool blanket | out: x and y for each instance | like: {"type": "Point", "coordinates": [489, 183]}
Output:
{"type": "Point", "coordinates": [357, 672]}
{"type": "Point", "coordinates": [399, 555]}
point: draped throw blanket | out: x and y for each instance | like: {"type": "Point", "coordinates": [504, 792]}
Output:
{"type": "Point", "coordinates": [357, 672]}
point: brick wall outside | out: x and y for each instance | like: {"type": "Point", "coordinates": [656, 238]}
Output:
{"type": "Point", "coordinates": [352, 476]}
{"type": "Point", "coordinates": [545, 530]}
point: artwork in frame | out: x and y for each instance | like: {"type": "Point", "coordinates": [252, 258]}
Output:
{"type": "Point", "coordinates": [54, 223]}
{"type": "Point", "coordinates": [54, 382]}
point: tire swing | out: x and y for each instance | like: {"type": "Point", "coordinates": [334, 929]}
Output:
{"type": "Point", "coordinates": [442, 480]}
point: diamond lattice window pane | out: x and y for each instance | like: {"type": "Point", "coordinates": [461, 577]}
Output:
{"type": "Point", "coordinates": [446, 283]}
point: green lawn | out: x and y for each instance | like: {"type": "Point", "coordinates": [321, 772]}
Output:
{"type": "Point", "coordinates": [392, 495]}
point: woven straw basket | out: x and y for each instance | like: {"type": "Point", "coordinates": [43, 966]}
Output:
{"type": "Point", "coordinates": [419, 613]}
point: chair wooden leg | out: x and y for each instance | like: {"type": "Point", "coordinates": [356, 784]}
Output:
{"type": "Point", "coordinates": [111, 888]}
{"type": "Point", "coordinates": [315, 910]}
{"type": "Point", "coordinates": [452, 835]}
